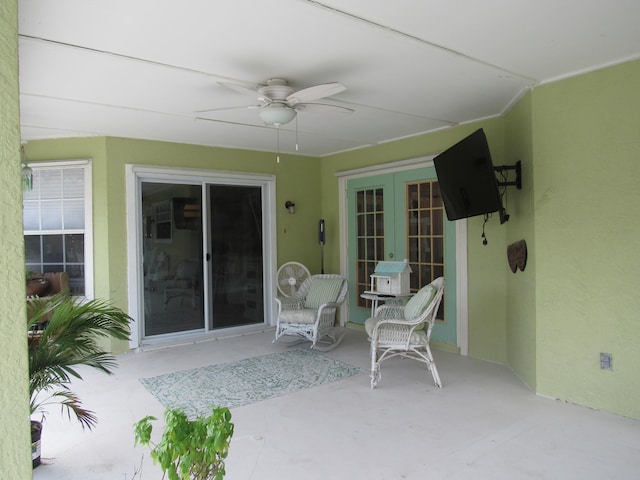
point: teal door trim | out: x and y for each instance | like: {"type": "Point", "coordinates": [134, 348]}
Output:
{"type": "Point", "coordinates": [445, 332]}
{"type": "Point", "coordinates": [385, 184]}
{"type": "Point", "coordinates": [460, 227]}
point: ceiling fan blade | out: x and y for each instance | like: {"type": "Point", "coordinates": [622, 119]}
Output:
{"type": "Point", "coordinates": [323, 108]}
{"type": "Point", "coordinates": [240, 88]}
{"type": "Point", "coordinates": [221, 109]}
{"type": "Point", "coordinates": [315, 92]}
{"type": "Point", "coordinates": [246, 91]}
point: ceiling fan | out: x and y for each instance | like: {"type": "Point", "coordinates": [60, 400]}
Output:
{"type": "Point", "coordinates": [278, 103]}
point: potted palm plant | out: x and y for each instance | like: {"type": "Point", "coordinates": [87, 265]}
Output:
{"type": "Point", "coordinates": [68, 338]}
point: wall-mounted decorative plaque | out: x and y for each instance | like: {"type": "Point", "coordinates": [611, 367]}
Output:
{"type": "Point", "coordinates": [517, 255]}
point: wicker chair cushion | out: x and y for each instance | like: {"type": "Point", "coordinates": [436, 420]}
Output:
{"type": "Point", "coordinates": [323, 290]}
{"type": "Point", "coordinates": [418, 336]}
{"type": "Point", "coordinates": [421, 300]}
{"type": "Point", "coordinates": [302, 315]}
{"type": "Point", "coordinates": [369, 325]}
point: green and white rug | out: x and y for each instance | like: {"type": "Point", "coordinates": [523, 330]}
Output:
{"type": "Point", "coordinates": [245, 381]}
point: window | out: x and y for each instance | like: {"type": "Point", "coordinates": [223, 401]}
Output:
{"type": "Point", "coordinates": [425, 235]}
{"type": "Point", "coordinates": [57, 223]}
{"type": "Point", "coordinates": [370, 231]}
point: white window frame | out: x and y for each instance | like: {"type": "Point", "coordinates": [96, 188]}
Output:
{"type": "Point", "coordinates": [86, 165]}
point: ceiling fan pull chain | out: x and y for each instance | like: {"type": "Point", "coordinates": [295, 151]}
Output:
{"type": "Point", "coordinates": [296, 133]}
{"type": "Point", "coordinates": [278, 144]}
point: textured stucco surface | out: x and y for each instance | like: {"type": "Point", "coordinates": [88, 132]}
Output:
{"type": "Point", "coordinates": [15, 457]}
{"type": "Point", "coordinates": [587, 229]}
{"type": "Point", "coordinates": [579, 145]}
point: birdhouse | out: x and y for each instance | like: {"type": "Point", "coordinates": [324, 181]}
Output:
{"type": "Point", "coordinates": [391, 278]}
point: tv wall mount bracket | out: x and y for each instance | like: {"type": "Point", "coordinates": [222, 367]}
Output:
{"type": "Point", "coordinates": [517, 168]}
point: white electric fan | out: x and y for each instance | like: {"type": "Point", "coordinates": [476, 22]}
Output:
{"type": "Point", "coordinates": [290, 276]}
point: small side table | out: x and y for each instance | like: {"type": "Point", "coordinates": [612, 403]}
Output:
{"type": "Point", "coordinates": [376, 297]}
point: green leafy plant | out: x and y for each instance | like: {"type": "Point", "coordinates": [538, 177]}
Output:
{"type": "Point", "coordinates": [29, 273]}
{"type": "Point", "coordinates": [62, 334]}
{"type": "Point", "coordinates": [189, 449]}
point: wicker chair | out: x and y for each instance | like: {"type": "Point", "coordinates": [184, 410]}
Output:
{"type": "Point", "coordinates": [310, 313]}
{"type": "Point", "coordinates": [184, 284]}
{"type": "Point", "coordinates": [405, 331]}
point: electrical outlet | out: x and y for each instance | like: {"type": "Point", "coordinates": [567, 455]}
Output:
{"type": "Point", "coordinates": [606, 361]}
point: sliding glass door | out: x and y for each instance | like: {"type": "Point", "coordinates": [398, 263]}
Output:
{"type": "Point", "coordinates": [236, 246]}
{"type": "Point", "coordinates": [203, 256]}
{"type": "Point", "coordinates": [173, 258]}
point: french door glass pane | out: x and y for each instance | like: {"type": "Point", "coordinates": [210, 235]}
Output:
{"type": "Point", "coordinates": [370, 235]}
{"type": "Point", "coordinates": [425, 234]}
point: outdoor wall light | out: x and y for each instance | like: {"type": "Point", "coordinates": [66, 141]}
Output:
{"type": "Point", "coordinates": [289, 205]}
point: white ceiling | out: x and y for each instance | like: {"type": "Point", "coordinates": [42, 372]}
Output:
{"type": "Point", "coordinates": [143, 68]}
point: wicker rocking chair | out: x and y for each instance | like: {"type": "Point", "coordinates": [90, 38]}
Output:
{"type": "Point", "coordinates": [405, 331]}
{"type": "Point", "coordinates": [310, 314]}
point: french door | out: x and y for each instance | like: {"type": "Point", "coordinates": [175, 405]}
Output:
{"type": "Point", "coordinates": [399, 216]}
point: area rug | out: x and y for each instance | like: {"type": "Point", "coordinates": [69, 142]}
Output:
{"type": "Point", "coordinates": [245, 381]}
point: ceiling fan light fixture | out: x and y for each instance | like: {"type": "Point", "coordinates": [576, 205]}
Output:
{"type": "Point", "coordinates": [277, 114]}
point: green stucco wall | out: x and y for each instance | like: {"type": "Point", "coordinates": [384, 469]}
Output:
{"type": "Point", "coordinates": [296, 180]}
{"type": "Point", "coordinates": [586, 172]}
{"type": "Point", "coordinates": [15, 449]}
{"type": "Point", "coordinates": [521, 285]}
{"type": "Point", "coordinates": [579, 145]}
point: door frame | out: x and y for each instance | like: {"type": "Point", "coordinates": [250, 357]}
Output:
{"type": "Point", "coordinates": [134, 176]}
{"type": "Point", "coordinates": [462, 320]}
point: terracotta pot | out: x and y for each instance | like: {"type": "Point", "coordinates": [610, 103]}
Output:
{"type": "Point", "coordinates": [38, 287]}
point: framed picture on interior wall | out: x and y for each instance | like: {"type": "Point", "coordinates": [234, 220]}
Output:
{"type": "Point", "coordinates": [186, 213]}
{"type": "Point", "coordinates": [162, 213]}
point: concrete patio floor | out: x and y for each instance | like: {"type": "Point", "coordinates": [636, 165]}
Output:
{"type": "Point", "coordinates": [484, 424]}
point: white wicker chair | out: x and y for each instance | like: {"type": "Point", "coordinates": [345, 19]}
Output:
{"type": "Point", "coordinates": [311, 312]}
{"type": "Point", "coordinates": [184, 283]}
{"type": "Point", "coordinates": [405, 331]}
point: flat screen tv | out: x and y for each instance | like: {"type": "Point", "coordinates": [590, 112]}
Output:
{"type": "Point", "coordinates": [467, 179]}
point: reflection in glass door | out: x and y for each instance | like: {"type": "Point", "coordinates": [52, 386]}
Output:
{"type": "Point", "coordinates": [373, 232]}
{"type": "Point", "coordinates": [236, 245]}
{"type": "Point", "coordinates": [172, 253]}
{"type": "Point", "coordinates": [370, 247]}
{"type": "Point", "coordinates": [425, 235]}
